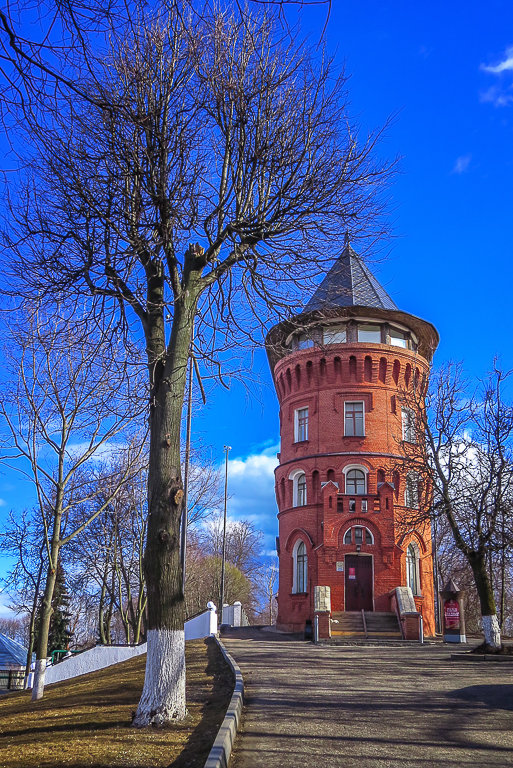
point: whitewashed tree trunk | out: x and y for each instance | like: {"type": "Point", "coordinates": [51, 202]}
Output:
{"type": "Point", "coordinates": [163, 696]}
{"type": "Point", "coordinates": [38, 687]}
{"type": "Point", "coordinates": [491, 631]}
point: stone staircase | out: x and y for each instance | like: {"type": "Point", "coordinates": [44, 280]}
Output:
{"type": "Point", "coordinates": [382, 626]}
{"type": "Point", "coordinates": [350, 624]}
{"type": "Point", "coordinates": [377, 626]}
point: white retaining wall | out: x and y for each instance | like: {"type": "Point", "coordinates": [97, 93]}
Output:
{"type": "Point", "coordinates": [103, 656]}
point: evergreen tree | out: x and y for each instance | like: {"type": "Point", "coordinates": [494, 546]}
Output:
{"type": "Point", "coordinates": [59, 634]}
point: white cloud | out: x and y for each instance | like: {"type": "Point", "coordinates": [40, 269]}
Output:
{"type": "Point", "coordinates": [497, 96]}
{"type": "Point", "coordinates": [251, 492]}
{"type": "Point", "coordinates": [462, 164]}
{"type": "Point", "coordinates": [500, 94]}
{"type": "Point", "coordinates": [506, 65]}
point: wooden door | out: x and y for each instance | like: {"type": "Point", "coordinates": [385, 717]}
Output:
{"type": "Point", "coordinates": [358, 569]}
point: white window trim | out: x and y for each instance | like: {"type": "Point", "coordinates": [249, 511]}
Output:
{"type": "Point", "coordinates": [296, 423]}
{"type": "Point", "coordinates": [294, 567]}
{"type": "Point", "coordinates": [294, 476]}
{"type": "Point", "coordinates": [346, 402]}
{"type": "Point", "coordinates": [363, 527]}
{"type": "Point", "coordinates": [364, 470]}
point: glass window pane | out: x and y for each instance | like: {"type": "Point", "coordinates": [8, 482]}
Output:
{"type": "Point", "coordinates": [347, 536]}
{"type": "Point", "coordinates": [369, 333]}
{"type": "Point", "coordinates": [301, 490]}
{"type": "Point", "coordinates": [398, 338]}
{"type": "Point", "coordinates": [301, 424]}
{"type": "Point", "coordinates": [304, 341]}
{"type": "Point", "coordinates": [353, 420]}
{"type": "Point", "coordinates": [355, 481]}
{"type": "Point", "coordinates": [368, 537]}
{"type": "Point", "coordinates": [334, 334]}
{"type": "Point", "coordinates": [358, 535]}
{"type": "Point", "coordinates": [301, 568]}
{"type": "Point", "coordinates": [408, 422]}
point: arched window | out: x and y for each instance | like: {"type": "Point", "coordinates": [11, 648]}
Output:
{"type": "Point", "coordinates": [357, 535]}
{"type": "Point", "coordinates": [355, 482]}
{"type": "Point", "coordinates": [300, 565]}
{"type": "Point", "coordinates": [412, 569]}
{"type": "Point", "coordinates": [298, 488]}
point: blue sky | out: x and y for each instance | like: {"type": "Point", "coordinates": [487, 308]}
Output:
{"type": "Point", "coordinates": [445, 71]}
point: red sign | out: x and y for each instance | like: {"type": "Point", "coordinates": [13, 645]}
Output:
{"type": "Point", "coordinates": [452, 614]}
{"type": "Point", "coordinates": [352, 573]}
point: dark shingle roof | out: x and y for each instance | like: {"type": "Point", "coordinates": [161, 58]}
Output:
{"type": "Point", "coordinates": [349, 283]}
{"type": "Point", "coordinates": [11, 653]}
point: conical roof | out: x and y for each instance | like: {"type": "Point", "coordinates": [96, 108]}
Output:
{"type": "Point", "coordinates": [349, 283]}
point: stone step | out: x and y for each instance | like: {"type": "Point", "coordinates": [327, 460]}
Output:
{"type": "Point", "coordinates": [379, 625]}
{"type": "Point", "coordinates": [382, 625]}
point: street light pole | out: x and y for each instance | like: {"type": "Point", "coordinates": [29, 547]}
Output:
{"type": "Point", "coordinates": [186, 474]}
{"type": "Point", "coordinates": [227, 449]}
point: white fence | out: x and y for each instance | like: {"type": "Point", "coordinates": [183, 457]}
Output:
{"type": "Point", "coordinates": [103, 656]}
{"type": "Point", "coordinates": [234, 615]}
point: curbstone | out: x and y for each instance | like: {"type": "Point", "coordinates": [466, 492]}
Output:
{"type": "Point", "coordinates": [219, 755]}
{"type": "Point", "coordinates": [481, 657]}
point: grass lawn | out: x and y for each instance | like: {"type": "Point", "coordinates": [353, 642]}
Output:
{"type": "Point", "coordinates": [87, 721]}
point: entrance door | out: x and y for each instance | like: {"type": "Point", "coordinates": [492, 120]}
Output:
{"type": "Point", "coordinates": [358, 583]}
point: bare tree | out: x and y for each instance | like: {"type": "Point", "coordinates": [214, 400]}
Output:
{"type": "Point", "coordinates": [267, 582]}
{"type": "Point", "coordinates": [22, 538]}
{"type": "Point", "coordinates": [243, 542]}
{"type": "Point", "coordinates": [203, 580]}
{"type": "Point", "coordinates": [67, 403]}
{"type": "Point", "coordinates": [212, 129]}
{"type": "Point", "coordinates": [463, 465]}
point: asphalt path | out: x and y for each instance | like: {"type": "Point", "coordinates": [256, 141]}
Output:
{"type": "Point", "coordinates": [369, 707]}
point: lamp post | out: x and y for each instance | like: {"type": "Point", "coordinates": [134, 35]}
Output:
{"type": "Point", "coordinates": [227, 449]}
{"type": "Point", "coordinates": [183, 541]}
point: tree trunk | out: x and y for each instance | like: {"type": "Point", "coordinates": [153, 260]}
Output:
{"type": "Point", "coordinates": [32, 625]}
{"type": "Point", "coordinates": [491, 629]}
{"type": "Point", "coordinates": [101, 613]}
{"type": "Point", "coordinates": [44, 627]}
{"type": "Point", "coordinates": [163, 696]}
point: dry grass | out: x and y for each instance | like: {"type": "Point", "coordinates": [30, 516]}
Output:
{"type": "Point", "coordinates": [87, 721]}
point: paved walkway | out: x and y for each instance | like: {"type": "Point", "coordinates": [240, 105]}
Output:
{"type": "Point", "coordinates": [368, 707]}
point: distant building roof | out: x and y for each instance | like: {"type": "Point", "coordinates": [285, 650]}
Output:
{"type": "Point", "coordinates": [349, 283]}
{"type": "Point", "coordinates": [11, 653]}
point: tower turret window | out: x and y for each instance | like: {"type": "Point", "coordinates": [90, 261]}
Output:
{"type": "Point", "coordinates": [354, 419]}
{"type": "Point", "coordinates": [398, 338]}
{"type": "Point", "coordinates": [335, 334]}
{"type": "Point", "coordinates": [301, 425]}
{"type": "Point", "coordinates": [369, 333]}
{"type": "Point", "coordinates": [304, 341]}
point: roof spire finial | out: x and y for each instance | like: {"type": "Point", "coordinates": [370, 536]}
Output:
{"type": "Point", "coordinates": [346, 240]}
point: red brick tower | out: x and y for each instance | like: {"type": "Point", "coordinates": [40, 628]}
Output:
{"type": "Point", "coordinates": [339, 369]}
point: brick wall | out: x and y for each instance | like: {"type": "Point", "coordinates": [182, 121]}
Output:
{"type": "Point", "coordinates": [322, 380]}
